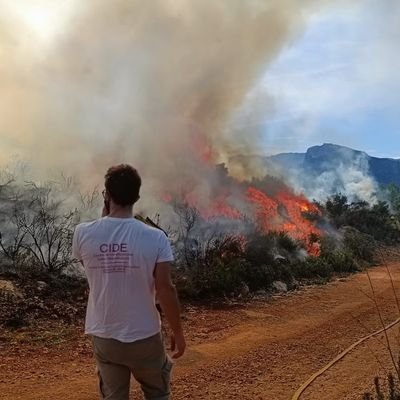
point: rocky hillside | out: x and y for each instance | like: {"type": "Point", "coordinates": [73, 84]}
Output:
{"type": "Point", "coordinates": [328, 157]}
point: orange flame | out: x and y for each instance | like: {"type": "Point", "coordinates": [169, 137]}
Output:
{"type": "Point", "coordinates": [286, 212]}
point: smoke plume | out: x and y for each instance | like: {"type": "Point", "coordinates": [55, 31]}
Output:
{"type": "Point", "coordinates": [154, 83]}
{"type": "Point", "coordinates": [339, 170]}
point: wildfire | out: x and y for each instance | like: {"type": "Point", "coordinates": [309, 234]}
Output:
{"type": "Point", "coordinates": [219, 208]}
{"type": "Point", "coordinates": [285, 212]}
{"type": "Point", "coordinates": [266, 209]}
{"type": "Point", "coordinates": [202, 148]}
{"type": "Point", "coordinates": [268, 203]}
{"type": "Point", "coordinates": [216, 208]}
{"type": "Point", "coordinates": [282, 211]}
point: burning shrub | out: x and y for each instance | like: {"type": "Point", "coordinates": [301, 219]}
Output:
{"type": "Point", "coordinates": [213, 262]}
{"type": "Point", "coordinates": [219, 250]}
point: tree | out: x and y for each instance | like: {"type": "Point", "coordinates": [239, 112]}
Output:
{"type": "Point", "coordinates": [393, 194]}
{"type": "Point", "coordinates": [38, 231]}
{"type": "Point", "coordinates": [337, 207]}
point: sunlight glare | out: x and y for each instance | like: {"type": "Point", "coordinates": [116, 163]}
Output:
{"type": "Point", "coordinates": [45, 19]}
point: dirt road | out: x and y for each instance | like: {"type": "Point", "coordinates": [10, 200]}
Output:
{"type": "Point", "coordinates": [263, 350]}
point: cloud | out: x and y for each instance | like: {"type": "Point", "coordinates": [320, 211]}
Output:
{"type": "Point", "coordinates": [327, 85]}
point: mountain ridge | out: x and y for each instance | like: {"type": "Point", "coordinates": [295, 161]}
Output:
{"type": "Point", "coordinates": [328, 157]}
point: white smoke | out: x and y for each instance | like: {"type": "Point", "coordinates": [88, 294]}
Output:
{"type": "Point", "coordinates": [355, 184]}
{"type": "Point", "coordinates": [154, 83]}
{"type": "Point", "coordinates": [346, 172]}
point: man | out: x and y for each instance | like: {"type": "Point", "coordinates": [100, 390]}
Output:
{"type": "Point", "coordinates": [126, 263]}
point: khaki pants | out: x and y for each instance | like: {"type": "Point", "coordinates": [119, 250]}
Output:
{"type": "Point", "coordinates": [145, 359]}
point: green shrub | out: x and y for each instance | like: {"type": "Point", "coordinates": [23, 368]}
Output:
{"type": "Point", "coordinates": [223, 279]}
{"type": "Point", "coordinates": [360, 246]}
{"type": "Point", "coordinates": [259, 276]}
{"type": "Point", "coordinates": [259, 249]}
{"type": "Point", "coordinates": [284, 272]}
{"type": "Point", "coordinates": [380, 221]}
{"type": "Point", "coordinates": [286, 243]}
{"type": "Point", "coordinates": [341, 262]}
{"type": "Point", "coordinates": [312, 268]}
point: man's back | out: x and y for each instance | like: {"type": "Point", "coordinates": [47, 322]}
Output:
{"type": "Point", "coordinates": [119, 256]}
{"type": "Point", "coordinates": [126, 262]}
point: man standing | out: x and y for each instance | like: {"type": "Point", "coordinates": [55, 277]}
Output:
{"type": "Point", "coordinates": [126, 263]}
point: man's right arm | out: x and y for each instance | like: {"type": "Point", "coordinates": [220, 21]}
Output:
{"type": "Point", "coordinates": [168, 298]}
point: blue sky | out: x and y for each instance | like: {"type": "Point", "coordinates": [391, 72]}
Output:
{"type": "Point", "coordinates": [339, 82]}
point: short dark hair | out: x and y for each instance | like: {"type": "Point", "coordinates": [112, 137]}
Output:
{"type": "Point", "coordinates": [123, 183]}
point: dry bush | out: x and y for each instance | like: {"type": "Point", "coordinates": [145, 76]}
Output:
{"type": "Point", "coordinates": [37, 224]}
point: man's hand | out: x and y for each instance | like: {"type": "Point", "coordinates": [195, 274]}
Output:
{"type": "Point", "coordinates": [178, 345]}
{"type": "Point", "coordinates": [167, 296]}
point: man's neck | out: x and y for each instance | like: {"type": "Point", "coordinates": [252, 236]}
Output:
{"type": "Point", "coordinates": [120, 212]}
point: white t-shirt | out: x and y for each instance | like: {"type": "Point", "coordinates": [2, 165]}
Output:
{"type": "Point", "coordinates": [119, 256]}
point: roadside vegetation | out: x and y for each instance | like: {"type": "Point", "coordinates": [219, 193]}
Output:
{"type": "Point", "coordinates": [383, 225]}
{"type": "Point", "coordinates": [391, 390]}
{"type": "Point", "coordinates": [214, 259]}
{"type": "Point", "coordinates": [228, 265]}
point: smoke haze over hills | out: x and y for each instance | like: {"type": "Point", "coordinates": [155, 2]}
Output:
{"type": "Point", "coordinates": [325, 170]}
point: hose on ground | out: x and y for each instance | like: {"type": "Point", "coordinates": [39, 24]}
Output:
{"type": "Point", "coordinates": [306, 384]}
